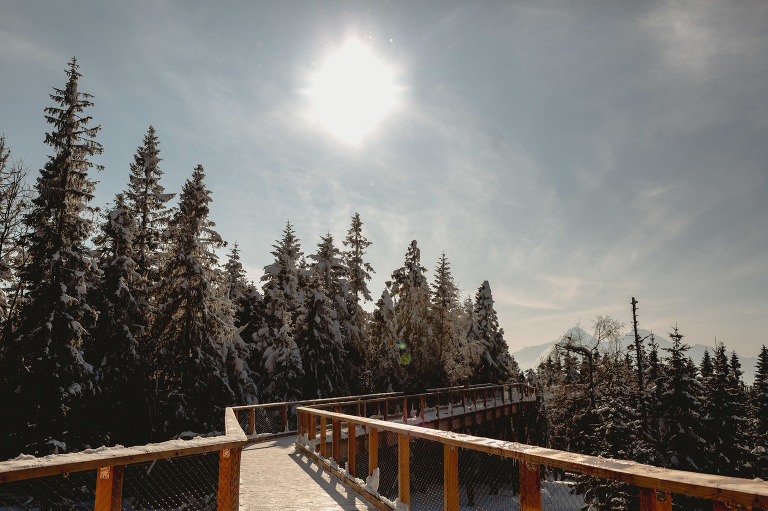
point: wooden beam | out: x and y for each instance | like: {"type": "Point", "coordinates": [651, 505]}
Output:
{"type": "Point", "coordinates": [351, 447]}
{"type": "Point", "coordinates": [450, 478]}
{"type": "Point", "coordinates": [651, 500]}
{"type": "Point", "coordinates": [403, 469]}
{"type": "Point", "coordinates": [530, 487]}
{"type": "Point", "coordinates": [373, 449]}
{"type": "Point", "coordinates": [109, 488]}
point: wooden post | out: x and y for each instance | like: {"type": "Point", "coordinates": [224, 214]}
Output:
{"type": "Point", "coordinates": [650, 500]}
{"type": "Point", "coordinates": [229, 480]}
{"type": "Point", "coordinates": [284, 425]}
{"type": "Point", "coordinates": [109, 488]}
{"type": "Point", "coordinates": [373, 449]}
{"type": "Point", "coordinates": [358, 409]}
{"type": "Point", "coordinates": [378, 407]}
{"type": "Point", "coordinates": [351, 446]}
{"type": "Point", "coordinates": [450, 478]}
{"type": "Point", "coordinates": [251, 421]}
{"type": "Point", "coordinates": [403, 469]}
{"type": "Point", "coordinates": [530, 487]}
{"type": "Point", "coordinates": [322, 436]}
{"type": "Point", "coordinates": [312, 427]}
{"type": "Point", "coordinates": [336, 440]}
{"type": "Point", "coordinates": [437, 410]}
{"type": "Point", "coordinates": [421, 406]}
{"type": "Point", "coordinates": [386, 409]}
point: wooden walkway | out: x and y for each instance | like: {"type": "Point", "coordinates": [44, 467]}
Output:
{"type": "Point", "coordinates": [274, 476]}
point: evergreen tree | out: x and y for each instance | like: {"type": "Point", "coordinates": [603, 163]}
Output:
{"type": "Point", "coordinates": [496, 364]}
{"type": "Point", "coordinates": [707, 368]}
{"type": "Point", "coordinates": [193, 323]}
{"type": "Point", "coordinates": [759, 414]}
{"type": "Point", "coordinates": [410, 293]}
{"type": "Point", "coordinates": [46, 380]}
{"type": "Point", "coordinates": [116, 347]}
{"type": "Point", "coordinates": [323, 353]}
{"type": "Point", "coordinates": [383, 371]}
{"type": "Point", "coordinates": [443, 315]}
{"type": "Point", "coordinates": [146, 201]}
{"type": "Point", "coordinates": [282, 373]}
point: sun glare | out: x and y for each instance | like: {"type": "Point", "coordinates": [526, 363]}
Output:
{"type": "Point", "coordinates": [352, 92]}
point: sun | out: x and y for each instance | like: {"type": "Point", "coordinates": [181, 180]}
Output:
{"type": "Point", "coordinates": [352, 92]}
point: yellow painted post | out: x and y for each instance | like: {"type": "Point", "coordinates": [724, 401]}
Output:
{"type": "Point", "coordinates": [322, 436]}
{"type": "Point", "coordinates": [650, 500]}
{"type": "Point", "coordinates": [450, 478]}
{"type": "Point", "coordinates": [109, 488]}
{"type": "Point", "coordinates": [373, 449]}
{"type": "Point", "coordinates": [351, 446]}
{"type": "Point", "coordinates": [229, 480]}
{"type": "Point", "coordinates": [530, 487]}
{"type": "Point", "coordinates": [251, 421]}
{"type": "Point", "coordinates": [403, 469]}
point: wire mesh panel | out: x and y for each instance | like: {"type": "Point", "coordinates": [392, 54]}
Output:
{"type": "Point", "coordinates": [75, 491]}
{"type": "Point", "coordinates": [562, 490]}
{"type": "Point", "coordinates": [426, 474]}
{"type": "Point", "coordinates": [266, 420]}
{"type": "Point", "coordinates": [189, 482]}
{"type": "Point", "coordinates": [388, 468]}
{"type": "Point", "coordinates": [488, 481]}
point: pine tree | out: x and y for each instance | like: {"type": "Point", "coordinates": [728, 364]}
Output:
{"type": "Point", "coordinates": [193, 322]}
{"type": "Point", "coordinates": [282, 374]}
{"type": "Point", "coordinates": [383, 372]}
{"type": "Point", "coordinates": [496, 364]}
{"type": "Point", "coordinates": [323, 353]}
{"type": "Point", "coordinates": [759, 414]}
{"type": "Point", "coordinates": [410, 293]}
{"type": "Point", "coordinates": [116, 347]}
{"type": "Point", "coordinates": [146, 200]}
{"type": "Point", "coordinates": [443, 315]}
{"type": "Point", "coordinates": [46, 380]}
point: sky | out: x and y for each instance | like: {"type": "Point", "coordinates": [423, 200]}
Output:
{"type": "Point", "coordinates": [573, 154]}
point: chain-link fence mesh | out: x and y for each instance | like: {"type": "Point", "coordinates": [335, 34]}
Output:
{"type": "Point", "coordinates": [61, 492]}
{"type": "Point", "coordinates": [487, 482]}
{"type": "Point", "coordinates": [426, 474]}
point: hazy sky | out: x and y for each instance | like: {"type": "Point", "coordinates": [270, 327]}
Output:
{"type": "Point", "coordinates": [574, 154]}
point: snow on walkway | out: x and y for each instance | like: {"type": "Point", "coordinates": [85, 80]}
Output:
{"type": "Point", "coordinates": [273, 476]}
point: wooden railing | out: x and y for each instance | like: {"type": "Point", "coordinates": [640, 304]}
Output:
{"type": "Point", "coordinates": [654, 485]}
{"type": "Point", "coordinates": [110, 463]}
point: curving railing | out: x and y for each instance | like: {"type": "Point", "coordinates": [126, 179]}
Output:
{"type": "Point", "coordinates": [341, 441]}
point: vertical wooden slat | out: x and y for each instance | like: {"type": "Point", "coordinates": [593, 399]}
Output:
{"type": "Point", "coordinates": [251, 421]}
{"type": "Point", "coordinates": [351, 446]}
{"type": "Point", "coordinates": [322, 436]}
{"type": "Point", "coordinates": [336, 440]}
{"type": "Point", "coordinates": [229, 480]}
{"type": "Point", "coordinates": [450, 478]}
{"type": "Point", "coordinates": [109, 488]}
{"type": "Point", "coordinates": [530, 487]}
{"type": "Point", "coordinates": [373, 449]}
{"type": "Point", "coordinates": [650, 500]}
{"type": "Point", "coordinates": [403, 469]}
{"type": "Point", "coordinates": [284, 424]}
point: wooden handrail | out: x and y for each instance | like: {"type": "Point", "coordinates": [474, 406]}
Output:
{"type": "Point", "coordinates": [745, 492]}
{"type": "Point", "coordinates": [30, 467]}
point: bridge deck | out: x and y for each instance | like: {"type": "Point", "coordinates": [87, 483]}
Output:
{"type": "Point", "coordinates": [273, 476]}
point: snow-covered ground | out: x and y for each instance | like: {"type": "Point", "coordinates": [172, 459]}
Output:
{"type": "Point", "coordinates": [273, 476]}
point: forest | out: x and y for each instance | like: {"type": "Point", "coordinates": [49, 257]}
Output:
{"type": "Point", "coordinates": [122, 326]}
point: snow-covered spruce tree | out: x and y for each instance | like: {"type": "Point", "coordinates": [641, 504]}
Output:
{"type": "Point", "coordinates": [383, 372]}
{"type": "Point", "coordinates": [465, 357]}
{"type": "Point", "coordinates": [444, 315]}
{"type": "Point", "coordinates": [146, 200]}
{"type": "Point", "coordinates": [46, 381]}
{"type": "Point", "coordinates": [496, 363]}
{"type": "Point", "coordinates": [319, 331]}
{"type": "Point", "coordinates": [759, 415]}
{"type": "Point", "coordinates": [281, 374]}
{"type": "Point", "coordinates": [410, 294]}
{"type": "Point", "coordinates": [192, 323]}
{"type": "Point", "coordinates": [724, 422]}
{"type": "Point", "coordinates": [116, 347]}
{"type": "Point", "coordinates": [357, 275]}
{"type": "Point", "coordinates": [679, 410]}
